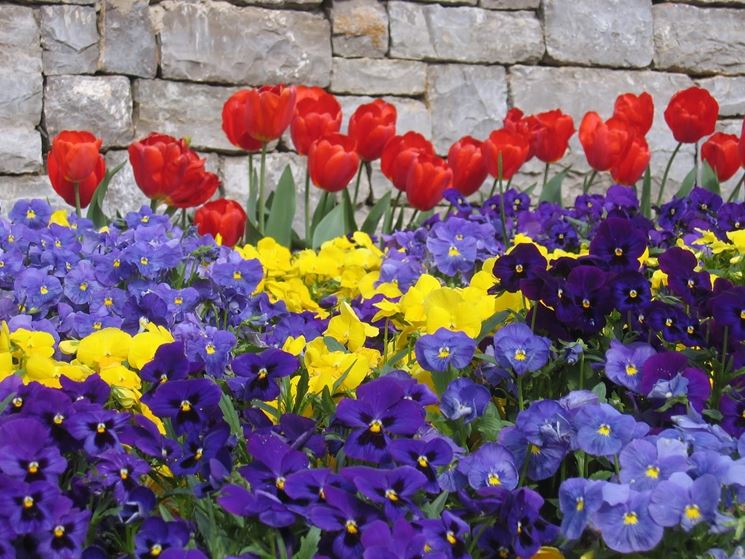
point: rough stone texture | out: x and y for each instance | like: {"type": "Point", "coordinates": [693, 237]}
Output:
{"type": "Point", "coordinates": [698, 40]}
{"type": "Point", "coordinates": [463, 34]}
{"type": "Point", "coordinates": [102, 104]}
{"type": "Point", "coordinates": [378, 77]}
{"type": "Point", "coordinates": [20, 150]}
{"type": "Point", "coordinates": [161, 108]}
{"type": "Point", "coordinates": [729, 92]}
{"type": "Point", "coordinates": [510, 4]}
{"type": "Point", "coordinates": [69, 37]}
{"type": "Point", "coordinates": [219, 42]}
{"type": "Point", "coordinates": [603, 32]}
{"type": "Point", "coordinates": [37, 2]}
{"type": "Point", "coordinates": [412, 114]}
{"type": "Point", "coordinates": [578, 90]}
{"type": "Point", "coordinates": [465, 100]}
{"type": "Point", "coordinates": [128, 45]}
{"type": "Point", "coordinates": [359, 28]}
{"type": "Point", "coordinates": [455, 2]}
{"type": "Point", "coordinates": [26, 186]}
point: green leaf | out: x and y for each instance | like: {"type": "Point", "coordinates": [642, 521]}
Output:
{"type": "Point", "coordinates": [330, 227]}
{"type": "Point", "coordinates": [489, 325]}
{"type": "Point", "coordinates": [325, 205]}
{"type": "Point", "coordinates": [599, 391]}
{"type": "Point", "coordinates": [552, 189]}
{"type": "Point", "coordinates": [349, 224]}
{"type": "Point", "coordinates": [253, 196]}
{"type": "Point", "coordinates": [687, 184]}
{"type": "Point", "coordinates": [95, 209]}
{"type": "Point", "coordinates": [333, 345]}
{"type": "Point", "coordinates": [231, 416]}
{"type": "Point", "coordinates": [434, 509]}
{"type": "Point", "coordinates": [709, 179]}
{"type": "Point", "coordinates": [646, 198]}
{"type": "Point", "coordinates": [282, 212]}
{"type": "Point", "coordinates": [376, 214]}
{"type": "Point", "coordinates": [309, 544]}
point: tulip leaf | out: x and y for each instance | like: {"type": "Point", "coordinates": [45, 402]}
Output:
{"type": "Point", "coordinates": [350, 226]}
{"type": "Point", "coordinates": [331, 226]}
{"type": "Point", "coordinates": [95, 209]}
{"type": "Point", "coordinates": [687, 184]}
{"type": "Point", "coordinates": [646, 198]}
{"type": "Point", "coordinates": [325, 205]}
{"type": "Point", "coordinates": [709, 179]}
{"type": "Point", "coordinates": [279, 224]}
{"type": "Point", "coordinates": [376, 214]}
{"type": "Point", "coordinates": [552, 189]}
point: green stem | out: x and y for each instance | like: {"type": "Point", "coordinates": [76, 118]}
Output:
{"type": "Point", "coordinates": [76, 189]}
{"type": "Point", "coordinates": [520, 402]}
{"type": "Point", "coordinates": [667, 172]}
{"type": "Point", "coordinates": [307, 206]}
{"type": "Point", "coordinates": [493, 188]}
{"type": "Point", "coordinates": [262, 187]}
{"type": "Point", "coordinates": [695, 164]}
{"type": "Point", "coordinates": [502, 212]}
{"type": "Point", "coordinates": [391, 211]}
{"type": "Point", "coordinates": [413, 217]}
{"type": "Point", "coordinates": [183, 219]}
{"type": "Point", "coordinates": [545, 174]}
{"type": "Point", "coordinates": [720, 379]}
{"type": "Point", "coordinates": [736, 191]}
{"type": "Point", "coordinates": [250, 211]}
{"type": "Point", "coordinates": [357, 186]}
{"type": "Point", "coordinates": [588, 184]}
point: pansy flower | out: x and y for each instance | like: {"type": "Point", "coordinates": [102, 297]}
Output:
{"type": "Point", "coordinates": [425, 456]}
{"type": "Point", "coordinates": [69, 528]}
{"type": "Point", "coordinates": [516, 347]}
{"type": "Point", "coordinates": [186, 402]}
{"type": "Point", "coordinates": [169, 363]}
{"type": "Point", "coordinates": [97, 429]}
{"type": "Point", "coordinates": [454, 245]}
{"type": "Point", "coordinates": [445, 348]}
{"type": "Point", "coordinates": [464, 400]}
{"type": "Point", "coordinates": [630, 291]}
{"type": "Point", "coordinates": [404, 541]}
{"type": "Point", "coordinates": [200, 448]}
{"type": "Point", "coordinates": [237, 275]}
{"type": "Point", "coordinates": [491, 465]}
{"type": "Point", "coordinates": [664, 367]}
{"type": "Point", "coordinates": [624, 520]}
{"type": "Point", "coordinates": [256, 374]}
{"type": "Point", "coordinates": [644, 463]}
{"type": "Point", "coordinates": [685, 502]}
{"type": "Point", "coordinates": [156, 536]}
{"type": "Point", "coordinates": [446, 534]}
{"type": "Point", "coordinates": [579, 498]}
{"type": "Point", "coordinates": [521, 270]}
{"type": "Point", "coordinates": [618, 244]}
{"type": "Point", "coordinates": [379, 413]}
{"type": "Point", "coordinates": [728, 309]}
{"type": "Point", "coordinates": [624, 363]}
{"type": "Point", "coordinates": [26, 452]}
{"type": "Point", "coordinates": [543, 459]}
{"type": "Point", "coordinates": [29, 507]}
{"type": "Point", "coordinates": [394, 488]}
{"type": "Point", "coordinates": [602, 430]}
{"type": "Point", "coordinates": [732, 406]}
{"type": "Point", "coordinates": [345, 518]}
{"type": "Point", "coordinates": [267, 507]}
{"type": "Point", "coordinates": [121, 471]}
{"type": "Point", "coordinates": [33, 213]}
{"type": "Point", "coordinates": [273, 461]}
{"type": "Point", "coordinates": [584, 300]}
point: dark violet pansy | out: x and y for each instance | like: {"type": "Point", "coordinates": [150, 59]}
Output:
{"type": "Point", "coordinates": [256, 373]}
{"type": "Point", "coordinates": [619, 244]}
{"type": "Point", "coordinates": [156, 536]}
{"type": "Point", "coordinates": [345, 518]}
{"type": "Point", "coordinates": [446, 534]}
{"type": "Point", "coordinates": [584, 300]}
{"type": "Point", "coordinates": [67, 534]}
{"type": "Point", "coordinates": [266, 507]}
{"type": "Point", "coordinates": [273, 461]}
{"type": "Point", "coordinates": [425, 456]}
{"type": "Point", "coordinates": [728, 309]}
{"type": "Point", "coordinates": [404, 541]}
{"type": "Point", "coordinates": [445, 348]}
{"type": "Point", "coordinates": [394, 488]}
{"type": "Point", "coordinates": [168, 363]}
{"type": "Point", "coordinates": [185, 402]}
{"type": "Point", "coordinates": [27, 452]}
{"type": "Point", "coordinates": [665, 367]}
{"type": "Point", "coordinates": [521, 270]}
{"type": "Point", "coordinates": [29, 507]}
{"type": "Point", "coordinates": [97, 429]}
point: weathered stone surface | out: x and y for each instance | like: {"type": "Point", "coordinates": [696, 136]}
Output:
{"type": "Point", "coordinates": [281, 3]}
{"type": "Point", "coordinates": [463, 34]}
{"type": "Point", "coordinates": [21, 82]}
{"type": "Point", "coordinates": [378, 77]}
{"type": "Point", "coordinates": [20, 150]}
{"type": "Point", "coordinates": [128, 45]}
{"type": "Point", "coordinates": [412, 114]}
{"type": "Point", "coordinates": [602, 32]}
{"type": "Point", "coordinates": [82, 2]}
{"type": "Point", "coordinates": [455, 2]}
{"type": "Point", "coordinates": [578, 90]}
{"type": "Point", "coordinates": [359, 28]}
{"type": "Point", "coordinates": [101, 104]}
{"type": "Point", "coordinates": [715, 2]}
{"type": "Point", "coordinates": [729, 92]}
{"type": "Point", "coordinates": [14, 188]}
{"type": "Point", "coordinates": [699, 40]}
{"type": "Point", "coordinates": [69, 37]}
{"type": "Point", "coordinates": [219, 42]}
{"type": "Point", "coordinates": [162, 108]}
{"type": "Point", "coordinates": [510, 4]}
{"type": "Point", "coordinates": [465, 100]}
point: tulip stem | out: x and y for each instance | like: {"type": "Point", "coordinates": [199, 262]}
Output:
{"type": "Point", "coordinates": [588, 184]}
{"type": "Point", "coordinates": [666, 173]}
{"type": "Point", "coordinates": [262, 187]}
{"type": "Point", "coordinates": [502, 212]}
{"type": "Point", "coordinates": [545, 174]}
{"type": "Point", "coordinates": [307, 206]}
{"type": "Point", "coordinates": [695, 164]}
{"type": "Point", "coordinates": [357, 186]}
{"type": "Point", "coordinates": [736, 191]}
{"type": "Point", "coordinates": [76, 189]}
{"type": "Point", "coordinates": [251, 205]}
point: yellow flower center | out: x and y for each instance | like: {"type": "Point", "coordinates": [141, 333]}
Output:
{"type": "Point", "coordinates": [28, 502]}
{"type": "Point", "coordinates": [742, 314]}
{"type": "Point", "coordinates": [633, 294]}
{"type": "Point", "coordinates": [630, 519]}
{"type": "Point", "coordinates": [163, 378]}
{"type": "Point", "coordinates": [351, 527]}
{"type": "Point", "coordinates": [108, 301]}
{"type": "Point", "coordinates": [58, 243]}
{"type": "Point", "coordinates": [690, 329]}
{"type": "Point", "coordinates": [423, 462]}
{"type": "Point", "coordinates": [185, 406]}
{"type": "Point", "coordinates": [262, 373]}
{"type": "Point", "coordinates": [237, 275]}
{"type": "Point", "coordinates": [534, 449]}
{"type": "Point", "coordinates": [210, 348]}
{"type": "Point", "coordinates": [519, 268]}
{"type": "Point", "coordinates": [84, 286]}
{"type": "Point", "coordinates": [124, 473]}
{"type": "Point", "coordinates": [17, 402]}
{"type": "Point", "coordinates": [493, 480]}
{"type": "Point", "coordinates": [520, 354]}
{"type": "Point", "coordinates": [444, 352]}
{"type": "Point", "coordinates": [690, 284]}
{"type": "Point", "coordinates": [580, 504]}
{"type": "Point", "coordinates": [43, 290]}
{"type": "Point", "coordinates": [178, 300]}
{"type": "Point", "coordinates": [631, 369]}
{"type": "Point", "coordinates": [279, 483]}
{"type": "Point", "coordinates": [30, 214]}
{"type": "Point", "coordinates": [692, 512]}
{"type": "Point", "coordinates": [618, 251]}
{"type": "Point", "coordinates": [604, 430]}
{"type": "Point", "coordinates": [450, 537]}
{"type": "Point", "coordinates": [97, 325]}
{"type": "Point", "coordinates": [585, 303]}
{"type": "Point", "coordinates": [145, 219]}
{"type": "Point", "coordinates": [117, 263]}
{"type": "Point", "coordinates": [453, 252]}
{"type": "Point", "coordinates": [59, 531]}
{"type": "Point", "coordinates": [33, 467]}
{"type": "Point", "coordinates": [652, 472]}
{"type": "Point", "coordinates": [144, 261]}
{"type": "Point", "coordinates": [376, 426]}
{"type": "Point", "coordinates": [391, 495]}
{"type": "Point", "coordinates": [101, 428]}
{"type": "Point", "coordinates": [198, 453]}
{"type": "Point", "coordinates": [58, 419]}
{"type": "Point", "coordinates": [459, 237]}
{"type": "Point", "coordinates": [704, 207]}
{"type": "Point", "coordinates": [155, 550]}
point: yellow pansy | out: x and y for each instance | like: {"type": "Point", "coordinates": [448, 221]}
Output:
{"type": "Point", "coordinates": [294, 346]}
{"type": "Point", "coordinates": [412, 302]}
{"type": "Point", "coordinates": [347, 329]}
{"type": "Point", "coordinates": [659, 279]}
{"type": "Point", "coordinates": [119, 375]}
{"type": "Point", "coordinates": [447, 308]}
{"type": "Point", "coordinates": [59, 218]}
{"type": "Point", "coordinates": [548, 553]}
{"type": "Point", "coordinates": [275, 258]}
{"type": "Point", "coordinates": [326, 367]}
{"type": "Point", "coordinates": [145, 344]}
{"type": "Point", "coordinates": [295, 295]}
{"type": "Point", "coordinates": [41, 368]}
{"type": "Point", "coordinates": [105, 347]}
{"type": "Point", "coordinates": [147, 412]}
{"type": "Point", "coordinates": [29, 342]}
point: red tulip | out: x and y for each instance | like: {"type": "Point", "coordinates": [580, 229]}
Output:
{"type": "Point", "coordinates": [317, 113]}
{"type": "Point", "coordinates": [636, 110]}
{"type": "Point", "coordinates": [371, 126]}
{"type": "Point", "coordinates": [721, 152]}
{"type": "Point", "coordinates": [222, 217]}
{"type": "Point", "coordinates": [692, 114]}
{"type": "Point", "coordinates": [742, 144]}
{"type": "Point", "coordinates": [75, 160]}
{"type": "Point", "coordinates": [398, 155]}
{"type": "Point", "coordinates": [604, 143]}
{"type": "Point", "coordinates": [428, 179]}
{"type": "Point", "coordinates": [252, 117]}
{"type": "Point", "coordinates": [333, 162]}
{"type": "Point", "coordinates": [467, 163]}
{"type": "Point", "coordinates": [513, 148]}
{"type": "Point", "coordinates": [550, 137]}
{"type": "Point", "coordinates": [517, 123]}
{"type": "Point", "coordinates": [630, 167]}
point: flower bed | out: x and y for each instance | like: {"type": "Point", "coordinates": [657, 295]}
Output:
{"type": "Point", "coordinates": [500, 379]}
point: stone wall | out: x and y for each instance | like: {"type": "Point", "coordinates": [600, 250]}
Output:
{"type": "Point", "coordinates": [123, 68]}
